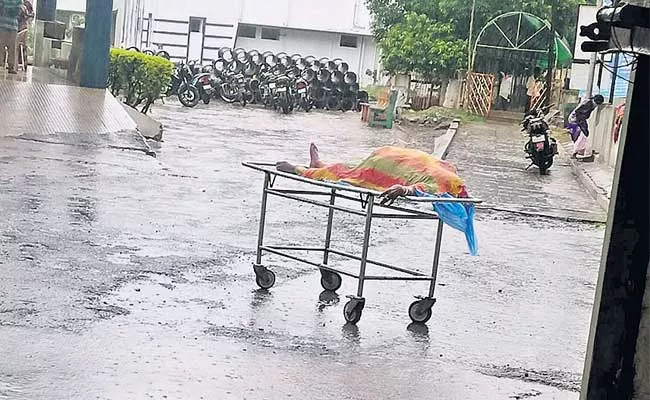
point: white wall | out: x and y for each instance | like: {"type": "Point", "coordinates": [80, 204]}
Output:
{"type": "Point", "coordinates": [217, 11]}
{"type": "Point", "coordinates": [71, 5]}
{"type": "Point", "coordinates": [319, 45]}
{"type": "Point", "coordinates": [321, 23]}
{"type": "Point", "coordinates": [346, 16]}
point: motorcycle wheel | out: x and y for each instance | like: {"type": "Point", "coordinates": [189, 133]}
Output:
{"type": "Point", "coordinates": [544, 165]}
{"type": "Point", "coordinates": [188, 95]}
{"type": "Point", "coordinates": [332, 103]}
{"type": "Point", "coordinates": [305, 105]}
{"type": "Point", "coordinates": [285, 108]}
{"type": "Point", "coordinates": [227, 93]}
{"type": "Point", "coordinates": [206, 99]}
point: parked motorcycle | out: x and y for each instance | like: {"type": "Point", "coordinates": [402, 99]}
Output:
{"type": "Point", "coordinates": [302, 95]}
{"type": "Point", "coordinates": [181, 85]}
{"type": "Point", "coordinates": [206, 85]}
{"type": "Point", "coordinates": [283, 97]}
{"type": "Point", "coordinates": [235, 89]}
{"type": "Point", "coordinates": [540, 147]}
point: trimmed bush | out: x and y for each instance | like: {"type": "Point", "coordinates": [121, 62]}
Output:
{"type": "Point", "coordinates": [138, 78]}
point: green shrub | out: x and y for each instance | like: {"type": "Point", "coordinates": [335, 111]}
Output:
{"type": "Point", "coordinates": [138, 78]}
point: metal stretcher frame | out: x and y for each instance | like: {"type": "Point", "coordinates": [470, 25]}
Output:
{"type": "Point", "coordinates": [420, 310]}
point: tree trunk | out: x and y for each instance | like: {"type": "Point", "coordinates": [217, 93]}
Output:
{"type": "Point", "coordinates": [444, 83]}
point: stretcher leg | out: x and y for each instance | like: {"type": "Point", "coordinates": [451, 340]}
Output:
{"type": "Point", "coordinates": [353, 308]}
{"type": "Point", "coordinates": [420, 310]}
{"type": "Point", "coordinates": [329, 280]}
{"type": "Point", "coordinates": [264, 277]}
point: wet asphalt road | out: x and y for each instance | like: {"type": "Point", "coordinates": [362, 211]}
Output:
{"type": "Point", "coordinates": [129, 277]}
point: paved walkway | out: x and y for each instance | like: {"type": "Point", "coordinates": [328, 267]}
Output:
{"type": "Point", "coordinates": [596, 177]}
{"type": "Point", "coordinates": [38, 108]}
{"type": "Point", "coordinates": [491, 158]}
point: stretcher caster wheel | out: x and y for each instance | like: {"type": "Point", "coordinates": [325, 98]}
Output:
{"type": "Point", "coordinates": [330, 280]}
{"type": "Point", "coordinates": [265, 278]}
{"type": "Point", "coordinates": [352, 310]}
{"type": "Point", "coordinates": [420, 310]}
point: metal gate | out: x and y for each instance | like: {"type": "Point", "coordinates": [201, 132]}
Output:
{"type": "Point", "coordinates": [478, 98]}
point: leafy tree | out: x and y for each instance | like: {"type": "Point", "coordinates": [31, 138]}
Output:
{"type": "Point", "coordinates": [387, 13]}
{"type": "Point", "coordinates": [418, 44]}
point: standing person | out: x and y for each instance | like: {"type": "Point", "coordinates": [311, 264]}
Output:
{"type": "Point", "coordinates": [532, 89]}
{"type": "Point", "coordinates": [25, 17]}
{"type": "Point", "coordinates": [9, 11]}
{"type": "Point", "coordinates": [579, 128]}
{"type": "Point", "coordinates": [505, 90]}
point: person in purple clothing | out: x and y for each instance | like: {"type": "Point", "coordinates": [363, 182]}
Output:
{"type": "Point", "coordinates": [578, 126]}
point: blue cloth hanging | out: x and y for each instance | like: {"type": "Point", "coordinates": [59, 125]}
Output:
{"type": "Point", "coordinates": [459, 216]}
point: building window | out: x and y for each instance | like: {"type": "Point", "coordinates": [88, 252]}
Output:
{"type": "Point", "coordinates": [270, 34]}
{"type": "Point", "coordinates": [196, 24]}
{"type": "Point", "coordinates": [246, 31]}
{"type": "Point", "coordinates": [348, 41]}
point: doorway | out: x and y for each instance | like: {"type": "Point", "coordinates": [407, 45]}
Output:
{"type": "Point", "coordinates": [195, 39]}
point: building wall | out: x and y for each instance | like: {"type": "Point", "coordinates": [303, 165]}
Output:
{"type": "Point", "coordinates": [319, 45]}
{"type": "Point", "coordinates": [346, 16]}
{"type": "Point", "coordinates": [601, 125]}
{"type": "Point", "coordinates": [308, 27]}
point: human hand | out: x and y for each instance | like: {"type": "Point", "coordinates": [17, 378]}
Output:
{"type": "Point", "coordinates": [390, 195]}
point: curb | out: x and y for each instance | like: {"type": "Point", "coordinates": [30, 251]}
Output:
{"type": "Point", "coordinates": [147, 126]}
{"type": "Point", "coordinates": [443, 142]}
{"type": "Point", "coordinates": [597, 192]}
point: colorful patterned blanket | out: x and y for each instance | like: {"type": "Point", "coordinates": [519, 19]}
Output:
{"type": "Point", "coordinates": [427, 174]}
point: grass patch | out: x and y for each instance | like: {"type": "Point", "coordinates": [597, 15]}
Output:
{"type": "Point", "coordinates": [442, 112]}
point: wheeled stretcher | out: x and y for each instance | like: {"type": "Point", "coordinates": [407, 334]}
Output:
{"type": "Point", "coordinates": [326, 194]}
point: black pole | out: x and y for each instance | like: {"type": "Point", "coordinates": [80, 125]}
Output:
{"type": "Point", "coordinates": [612, 87]}
{"type": "Point", "coordinates": [614, 75]}
{"type": "Point", "coordinates": [613, 339]}
{"type": "Point", "coordinates": [551, 54]}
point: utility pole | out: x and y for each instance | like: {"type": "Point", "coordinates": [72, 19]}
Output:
{"type": "Point", "coordinates": [551, 54]}
{"type": "Point", "coordinates": [471, 33]}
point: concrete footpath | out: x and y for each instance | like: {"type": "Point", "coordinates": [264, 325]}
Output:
{"type": "Point", "coordinates": [596, 177]}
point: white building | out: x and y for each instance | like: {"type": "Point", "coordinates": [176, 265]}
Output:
{"type": "Point", "coordinates": [196, 29]}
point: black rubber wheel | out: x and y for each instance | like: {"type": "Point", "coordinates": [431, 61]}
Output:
{"type": "Point", "coordinates": [544, 166]}
{"type": "Point", "coordinates": [418, 313]}
{"type": "Point", "coordinates": [265, 280]}
{"type": "Point", "coordinates": [227, 93]}
{"type": "Point", "coordinates": [306, 105]}
{"type": "Point", "coordinates": [188, 95]}
{"type": "Point", "coordinates": [351, 314]}
{"type": "Point", "coordinates": [206, 99]}
{"type": "Point", "coordinates": [331, 281]}
{"type": "Point", "coordinates": [163, 54]}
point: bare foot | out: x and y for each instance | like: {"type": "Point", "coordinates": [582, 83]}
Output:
{"type": "Point", "coordinates": [284, 166]}
{"type": "Point", "coordinates": [315, 161]}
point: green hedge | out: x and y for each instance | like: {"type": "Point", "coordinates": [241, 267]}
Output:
{"type": "Point", "coordinates": [139, 78]}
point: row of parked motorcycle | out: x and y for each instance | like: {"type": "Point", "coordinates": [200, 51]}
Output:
{"type": "Point", "coordinates": [277, 81]}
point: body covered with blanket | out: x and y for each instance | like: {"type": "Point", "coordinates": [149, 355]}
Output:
{"type": "Point", "coordinates": [397, 171]}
